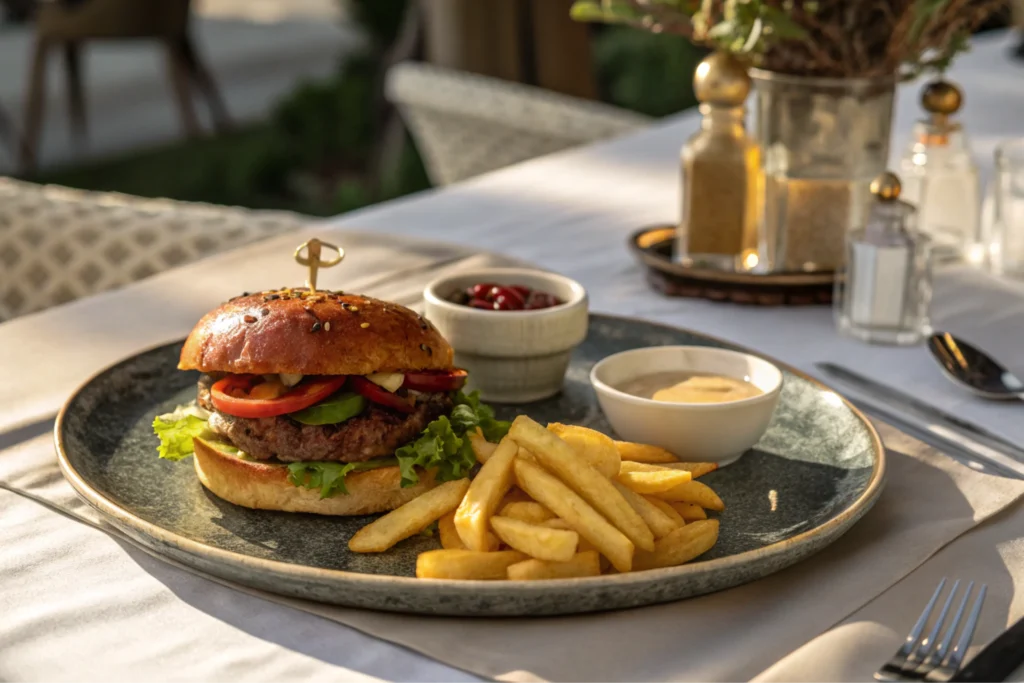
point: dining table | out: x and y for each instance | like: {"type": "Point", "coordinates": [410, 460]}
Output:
{"type": "Point", "coordinates": [80, 600]}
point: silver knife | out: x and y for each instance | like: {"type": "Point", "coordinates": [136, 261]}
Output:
{"type": "Point", "coordinates": [935, 427]}
{"type": "Point", "coordinates": [998, 659]}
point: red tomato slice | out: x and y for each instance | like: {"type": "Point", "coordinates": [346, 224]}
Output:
{"type": "Point", "coordinates": [231, 395]}
{"type": "Point", "coordinates": [372, 392]}
{"type": "Point", "coordinates": [436, 380]}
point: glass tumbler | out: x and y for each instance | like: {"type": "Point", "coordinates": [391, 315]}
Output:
{"type": "Point", "coordinates": [1006, 248]}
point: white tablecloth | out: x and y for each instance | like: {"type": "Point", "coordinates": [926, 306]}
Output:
{"type": "Point", "coordinates": [572, 213]}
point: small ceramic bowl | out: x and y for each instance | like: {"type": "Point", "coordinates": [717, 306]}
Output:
{"type": "Point", "coordinates": [511, 356]}
{"type": "Point", "coordinates": [705, 432]}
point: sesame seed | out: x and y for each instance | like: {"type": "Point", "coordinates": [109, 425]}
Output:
{"type": "Point", "coordinates": [265, 311]}
{"type": "Point", "coordinates": [327, 327]}
{"type": "Point", "coordinates": [250, 318]}
{"type": "Point", "coordinates": [316, 327]}
{"type": "Point", "coordinates": [354, 308]}
{"type": "Point", "coordinates": [365, 325]}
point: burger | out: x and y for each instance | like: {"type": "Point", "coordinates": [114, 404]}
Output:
{"type": "Point", "coordinates": [323, 402]}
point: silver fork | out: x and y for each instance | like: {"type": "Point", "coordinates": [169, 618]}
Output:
{"type": "Point", "coordinates": [930, 658]}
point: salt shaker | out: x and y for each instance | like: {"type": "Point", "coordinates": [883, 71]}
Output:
{"type": "Point", "coordinates": [939, 176]}
{"type": "Point", "coordinates": [885, 293]}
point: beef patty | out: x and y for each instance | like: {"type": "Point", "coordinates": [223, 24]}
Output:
{"type": "Point", "coordinates": [376, 432]}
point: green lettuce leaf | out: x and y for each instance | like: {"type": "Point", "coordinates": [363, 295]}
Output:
{"type": "Point", "coordinates": [438, 448]}
{"type": "Point", "coordinates": [176, 431]}
{"type": "Point", "coordinates": [442, 447]}
{"type": "Point", "coordinates": [469, 413]}
{"type": "Point", "coordinates": [329, 476]}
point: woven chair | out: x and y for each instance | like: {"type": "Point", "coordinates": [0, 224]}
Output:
{"type": "Point", "coordinates": [69, 26]}
{"type": "Point", "coordinates": [59, 244]}
{"type": "Point", "coordinates": [465, 124]}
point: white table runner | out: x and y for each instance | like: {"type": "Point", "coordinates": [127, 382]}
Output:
{"type": "Point", "coordinates": [929, 502]}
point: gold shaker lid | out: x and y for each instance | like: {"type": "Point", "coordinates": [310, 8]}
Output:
{"type": "Point", "coordinates": [941, 98]}
{"type": "Point", "coordinates": [721, 80]}
{"type": "Point", "coordinates": [886, 187]}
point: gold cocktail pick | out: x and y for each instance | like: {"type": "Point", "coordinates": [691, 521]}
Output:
{"type": "Point", "coordinates": [313, 260]}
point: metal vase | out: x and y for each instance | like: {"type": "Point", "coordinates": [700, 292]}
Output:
{"type": "Point", "coordinates": [823, 140]}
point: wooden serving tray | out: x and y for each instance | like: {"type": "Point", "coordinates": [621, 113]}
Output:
{"type": "Point", "coordinates": [653, 246]}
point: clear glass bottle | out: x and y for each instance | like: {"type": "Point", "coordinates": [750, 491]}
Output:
{"type": "Point", "coordinates": [940, 177]}
{"type": "Point", "coordinates": [720, 174]}
{"type": "Point", "coordinates": [823, 141]}
{"type": "Point", "coordinates": [885, 291]}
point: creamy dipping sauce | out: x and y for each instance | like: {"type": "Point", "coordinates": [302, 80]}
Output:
{"type": "Point", "coordinates": [690, 387]}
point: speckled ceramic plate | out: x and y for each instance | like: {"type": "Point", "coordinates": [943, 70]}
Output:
{"type": "Point", "coordinates": [818, 469]}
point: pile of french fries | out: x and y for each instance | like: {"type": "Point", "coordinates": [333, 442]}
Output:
{"type": "Point", "coordinates": [554, 503]}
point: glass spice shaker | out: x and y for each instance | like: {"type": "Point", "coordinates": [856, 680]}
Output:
{"type": "Point", "coordinates": [886, 290]}
{"type": "Point", "coordinates": [721, 171]}
{"type": "Point", "coordinates": [939, 176]}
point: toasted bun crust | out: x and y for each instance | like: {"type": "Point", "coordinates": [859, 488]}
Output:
{"type": "Point", "coordinates": [324, 333]}
{"type": "Point", "coordinates": [254, 484]}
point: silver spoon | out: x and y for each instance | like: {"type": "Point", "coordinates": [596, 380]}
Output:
{"type": "Point", "coordinates": [974, 369]}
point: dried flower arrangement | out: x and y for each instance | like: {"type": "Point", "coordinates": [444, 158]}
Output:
{"type": "Point", "coordinates": [827, 38]}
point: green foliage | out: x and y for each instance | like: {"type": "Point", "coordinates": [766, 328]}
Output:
{"type": "Point", "coordinates": [382, 19]}
{"type": "Point", "coordinates": [323, 121]}
{"type": "Point", "coordinates": [750, 27]}
{"type": "Point", "coordinates": [646, 72]}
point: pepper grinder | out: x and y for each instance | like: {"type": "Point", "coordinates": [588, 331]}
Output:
{"type": "Point", "coordinates": [939, 176]}
{"type": "Point", "coordinates": [721, 170]}
{"type": "Point", "coordinates": [884, 294]}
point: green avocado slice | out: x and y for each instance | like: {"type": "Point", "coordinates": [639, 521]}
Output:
{"type": "Point", "coordinates": [332, 410]}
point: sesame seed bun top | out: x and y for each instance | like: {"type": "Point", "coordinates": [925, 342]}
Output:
{"type": "Point", "coordinates": [321, 333]}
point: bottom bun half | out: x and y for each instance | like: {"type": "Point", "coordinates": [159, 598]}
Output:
{"type": "Point", "coordinates": [264, 486]}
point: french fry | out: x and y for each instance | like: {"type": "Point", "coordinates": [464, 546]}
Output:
{"type": "Point", "coordinates": [653, 482]}
{"type": "Point", "coordinates": [530, 512]}
{"type": "Point", "coordinates": [696, 469]}
{"type": "Point", "coordinates": [693, 492]}
{"type": "Point", "coordinates": [466, 564]}
{"type": "Point", "coordinates": [586, 521]}
{"type": "Point", "coordinates": [596, 448]}
{"type": "Point", "coordinates": [639, 452]}
{"type": "Point", "coordinates": [542, 543]}
{"type": "Point", "coordinates": [515, 495]}
{"type": "Point", "coordinates": [527, 455]}
{"type": "Point", "coordinates": [681, 546]}
{"type": "Point", "coordinates": [691, 512]}
{"type": "Point", "coordinates": [482, 448]}
{"type": "Point", "coordinates": [658, 522]}
{"type": "Point", "coordinates": [582, 564]}
{"type": "Point", "coordinates": [557, 456]}
{"type": "Point", "coordinates": [450, 536]}
{"type": "Point", "coordinates": [491, 484]}
{"type": "Point", "coordinates": [556, 523]}
{"type": "Point", "coordinates": [409, 519]}
{"type": "Point", "coordinates": [667, 508]}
